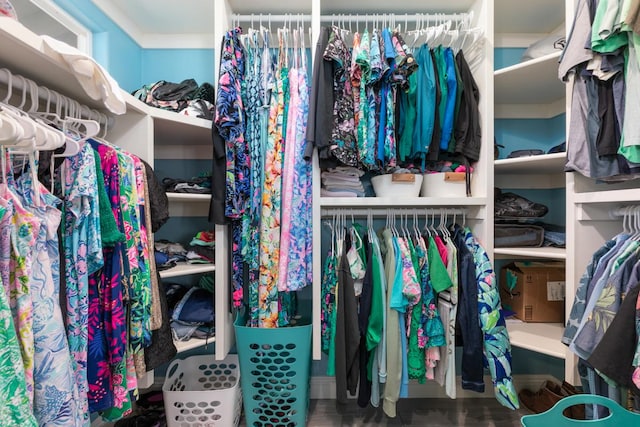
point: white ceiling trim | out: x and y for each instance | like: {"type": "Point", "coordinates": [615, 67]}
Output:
{"type": "Point", "coordinates": [154, 40]}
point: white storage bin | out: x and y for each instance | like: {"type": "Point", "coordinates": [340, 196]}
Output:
{"type": "Point", "coordinates": [203, 392]}
{"type": "Point", "coordinates": [444, 184]}
{"type": "Point", "coordinates": [397, 185]}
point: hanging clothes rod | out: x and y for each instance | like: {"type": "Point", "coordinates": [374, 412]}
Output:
{"type": "Point", "coordinates": [20, 84]}
{"type": "Point", "coordinates": [624, 211]}
{"type": "Point", "coordinates": [363, 212]}
{"type": "Point", "coordinates": [398, 17]}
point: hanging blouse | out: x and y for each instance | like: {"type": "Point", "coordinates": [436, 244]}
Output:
{"type": "Point", "coordinates": [15, 407]}
{"type": "Point", "coordinates": [497, 349]}
{"type": "Point", "coordinates": [344, 131]}
{"type": "Point", "coordinates": [108, 346]}
{"type": "Point", "coordinates": [83, 256]}
{"type": "Point", "coordinates": [230, 122]}
{"type": "Point", "coordinates": [56, 392]}
{"type": "Point", "coordinates": [18, 236]}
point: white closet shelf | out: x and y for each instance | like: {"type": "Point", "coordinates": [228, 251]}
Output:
{"type": "Point", "coordinates": [539, 337]}
{"type": "Point", "coordinates": [188, 197]}
{"type": "Point", "coordinates": [182, 346]}
{"type": "Point", "coordinates": [544, 252]}
{"type": "Point", "coordinates": [25, 57]}
{"type": "Point", "coordinates": [530, 89]}
{"type": "Point", "coordinates": [405, 202]}
{"type": "Point", "coordinates": [184, 269]}
{"type": "Point", "coordinates": [543, 164]}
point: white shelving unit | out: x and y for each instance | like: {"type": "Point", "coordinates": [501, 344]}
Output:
{"type": "Point", "coordinates": [539, 337]}
{"type": "Point", "coordinates": [531, 90]}
{"type": "Point", "coordinates": [140, 131]}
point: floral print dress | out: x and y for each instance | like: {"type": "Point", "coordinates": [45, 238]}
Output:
{"type": "Point", "coordinates": [268, 308]}
{"type": "Point", "coordinates": [56, 392]}
{"type": "Point", "coordinates": [295, 228]}
{"type": "Point", "coordinates": [15, 408]}
{"type": "Point", "coordinates": [83, 256]}
{"type": "Point", "coordinates": [17, 237]}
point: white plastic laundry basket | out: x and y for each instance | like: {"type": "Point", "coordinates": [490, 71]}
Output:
{"type": "Point", "coordinates": [203, 392]}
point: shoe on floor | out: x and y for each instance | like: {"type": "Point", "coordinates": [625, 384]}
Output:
{"type": "Point", "coordinates": [549, 394]}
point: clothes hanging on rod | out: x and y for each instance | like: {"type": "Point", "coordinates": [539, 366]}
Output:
{"type": "Point", "coordinates": [93, 296]}
{"type": "Point", "coordinates": [261, 116]}
{"type": "Point", "coordinates": [604, 303]}
{"type": "Point", "coordinates": [378, 105]}
{"type": "Point", "coordinates": [390, 309]}
{"type": "Point", "coordinates": [602, 65]}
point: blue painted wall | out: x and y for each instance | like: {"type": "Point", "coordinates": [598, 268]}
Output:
{"type": "Point", "coordinates": [506, 56]}
{"type": "Point", "coordinates": [175, 65]}
{"type": "Point", "coordinates": [520, 134]}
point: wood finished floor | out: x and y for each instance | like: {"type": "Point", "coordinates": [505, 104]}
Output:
{"type": "Point", "coordinates": [481, 412]}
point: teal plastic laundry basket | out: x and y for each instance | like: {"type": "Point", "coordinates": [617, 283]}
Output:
{"type": "Point", "coordinates": [275, 365]}
{"type": "Point", "coordinates": [618, 416]}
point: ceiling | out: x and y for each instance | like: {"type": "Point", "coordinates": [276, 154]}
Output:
{"type": "Point", "coordinates": [162, 16]}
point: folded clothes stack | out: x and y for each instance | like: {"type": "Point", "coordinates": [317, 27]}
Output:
{"type": "Point", "coordinates": [195, 185]}
{"type": "Point", "coordinates": [343, 181]}
{"type": "Point", "coordinates": [168, 254]}
{"type": "Point", "coordinates": [191, 308]}
{"type": "Point", "coordinates": [202, 248]}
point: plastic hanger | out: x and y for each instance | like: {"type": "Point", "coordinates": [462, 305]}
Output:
{"type": "Point", "coordinates": [15, 128]}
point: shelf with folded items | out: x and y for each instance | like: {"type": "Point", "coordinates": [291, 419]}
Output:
{"type": "Point", "coordinates": [29, 59]}
{"type": "Point", "coordinates": [539, 337]}
{"type": "Point", "coordinates": [185, 269]}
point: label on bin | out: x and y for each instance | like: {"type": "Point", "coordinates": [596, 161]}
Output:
{"type": "Point", "coordinates": [454, 176]}
{"type": "Point", "coordinates": [403, 177]}
{"type": "Point", "coordinates": [555, 291]}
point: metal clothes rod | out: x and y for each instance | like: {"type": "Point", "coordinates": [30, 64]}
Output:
{"type": "Point", "coordinates": [360, 212]}
{"type": "Point", "coordinates": [20, 84]}
{"type": "Point", "coordinates": [623, 211]}
{"type": "Point", "coordinates": [399, 17]}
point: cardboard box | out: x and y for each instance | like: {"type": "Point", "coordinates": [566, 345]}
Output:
{"type": "Point", "coordinates": [535, 291]}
